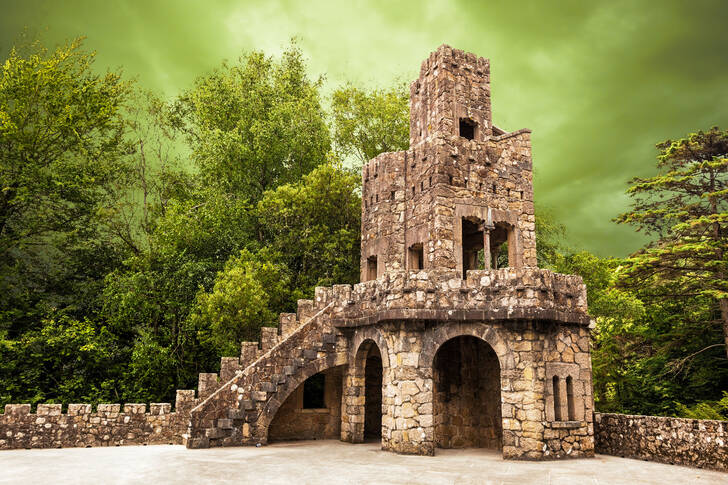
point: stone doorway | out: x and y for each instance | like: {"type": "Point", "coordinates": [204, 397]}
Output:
{"type": "Point", "coordinates": [467, 398]}
{"type": "Point", "coordinates": [373, 395]}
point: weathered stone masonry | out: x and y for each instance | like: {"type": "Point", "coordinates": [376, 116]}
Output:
{"type": "Point", "coordinates": [109, 425]}
{"type": "Point", "coordinates": [692, 442]}
{"type": "Point", "coordinates": [449, 280]}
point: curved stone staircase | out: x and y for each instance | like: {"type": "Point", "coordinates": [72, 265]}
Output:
{"type": "Point", "coordinates": [237, 409]}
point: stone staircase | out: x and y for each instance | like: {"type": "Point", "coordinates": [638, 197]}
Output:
{"type": "Point", "coordinates": [237, 408]}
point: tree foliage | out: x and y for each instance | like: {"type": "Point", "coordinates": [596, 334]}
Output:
{"type": "Point", "coordinates": [686, 206]}
{"type": "Point", "coordinates": [367, 123]}
{"type": "Point", "coordinates": [254, 125]}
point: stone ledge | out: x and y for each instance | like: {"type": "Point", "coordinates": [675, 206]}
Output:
{"type": "Point", "coordinates": [567, 424]}
{"type": "Point", "coordinates": [415, 314]}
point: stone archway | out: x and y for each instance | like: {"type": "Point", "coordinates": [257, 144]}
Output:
{"type": "Point", "coordinates": [467, 394]}
{"type": "Point", "coordinates": [373, 394]}
{"type": "Point", "coordinates": [363, 385]}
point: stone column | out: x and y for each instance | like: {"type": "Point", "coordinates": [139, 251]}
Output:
{"type": "Point", "coordinates": [486, 247]}
{"type": "Point", "coordinates": [352, 406]}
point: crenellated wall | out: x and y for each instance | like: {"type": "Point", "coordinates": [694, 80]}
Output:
{"type": "Point", "coordinates": [108, 425]}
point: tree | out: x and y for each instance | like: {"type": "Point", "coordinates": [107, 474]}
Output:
{"type": "Point", "coordinates": [686, 206]}
{"type": "Point", "coordinates": [242, 300]}
{"type": "Point", "coordinates": [367, 123]}
{"type": "Point", "coordinates": [313, 228]}
{"type": "Point", "coordinates": [62, 149]}
{"type": "Point", "coordinates": [254, 125]}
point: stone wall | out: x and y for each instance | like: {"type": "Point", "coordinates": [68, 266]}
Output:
{"type": "Point", "coordinates": [109, 425]}
{"type": "Point", "coordinates": [690, 442]}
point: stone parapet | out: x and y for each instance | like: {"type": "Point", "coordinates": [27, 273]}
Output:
{"type": "Point", "coordinates": [691, 442]}
{"type": "Point", "coordinates": [503, 294]}
{"type": "Point", "coordinates": [109, 425]}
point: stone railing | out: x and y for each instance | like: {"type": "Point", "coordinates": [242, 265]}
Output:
{"type": "Point", "coordinates": [691, 442]}
{"type": "Point", "coordinates": [109, 425]}
{"type": "Point", "coordinates": [502, 294]}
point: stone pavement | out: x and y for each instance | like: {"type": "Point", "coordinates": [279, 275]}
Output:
{"type": "Point", "coordinates": [326, 462]}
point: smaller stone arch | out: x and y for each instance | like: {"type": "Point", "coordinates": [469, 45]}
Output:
{"type": "Point", "coordinates": [362, 403]}
{"type": "Point", "coordinates": [282, 393]}
{"type": "Point", "coordinates": [360, 337]}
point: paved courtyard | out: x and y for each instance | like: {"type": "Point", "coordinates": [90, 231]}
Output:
{"type": "Point", "coordinates": [325, 462]}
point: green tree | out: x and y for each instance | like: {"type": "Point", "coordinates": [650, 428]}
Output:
{"type": "Point", "coordinates": [254, 125]}
{"type": "Point", "coordinates": [65, 360]}
{"type": "Point", "coordinates": [313, 228]}
{"type": "Point", "coordinates": [62, 153]}
{"type": "Point", "coordinates": [240, 302]}
{"type": "Point", "coordinates": [367, 123]}
{"type": "Point", "coordinates": [686, 206]}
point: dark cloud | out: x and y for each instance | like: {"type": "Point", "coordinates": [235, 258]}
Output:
{"type": "Point", "coordinates": [598, 83]}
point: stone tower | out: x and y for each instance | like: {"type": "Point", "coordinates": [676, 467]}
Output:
{"type": "Point", "coordinates": [461, 197]}
{"type": "Point", "coordinates": [454, 338]}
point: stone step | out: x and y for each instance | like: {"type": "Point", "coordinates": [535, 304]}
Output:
{"type": "Point", "coordinates": [268, 386]}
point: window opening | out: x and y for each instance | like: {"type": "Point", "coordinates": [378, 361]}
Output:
{"type": "Point", "coordinates": [313, 392]}
{"type": "Point", "coordinates": [557, 399]}
{"type": "Point", "coordinates": [473, 245]}
{"type": "Point", "coordinates": [371, 268]}
{"type": "Point", "coordinates": [416, 257]}
{"type": "Point", "coordinates": [570, 397]}
{"type": "Point", "coordinates": [502, 245]}
{"type": "Point", "coordinates": [467, 128]}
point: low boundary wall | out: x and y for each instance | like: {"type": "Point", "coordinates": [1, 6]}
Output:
{"type": "Point", "coordinates": [691, 442]}
{"type": "Point", "coordinates": [109, 425]}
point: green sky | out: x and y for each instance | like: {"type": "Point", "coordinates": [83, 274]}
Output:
{"type": "Point", "coordinates": [599, 83]}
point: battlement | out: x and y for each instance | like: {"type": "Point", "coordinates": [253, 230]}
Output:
{"type": "Point", "coordinates": [107, 425]}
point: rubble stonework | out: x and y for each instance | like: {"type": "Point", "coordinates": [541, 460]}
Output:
{"type": "Point", "coordinates": [691, 442]}
{"type": "Point", "coordinates": [109, 425]}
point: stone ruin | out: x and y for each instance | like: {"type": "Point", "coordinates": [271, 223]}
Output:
{"type": "Point", "coordinates": [454, 338]}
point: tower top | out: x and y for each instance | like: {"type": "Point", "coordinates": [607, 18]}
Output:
{"type": "Point", "coordinates": [451, 97]}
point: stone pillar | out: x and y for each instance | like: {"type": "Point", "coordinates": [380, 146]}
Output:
{"type": "Point", "coordinates": [486, 247]}
{"type": "Point", "coordinates": [407, 420]}
{"type": "Point", "coordinates": [352, 405]}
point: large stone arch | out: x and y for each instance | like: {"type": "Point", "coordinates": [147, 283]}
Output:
{"type": "Point", "coordinates": [437, 336]}
{"type": "Point", "coordinates": [284, 390]}
{"type": "Point", "coordinates": [501, 368]}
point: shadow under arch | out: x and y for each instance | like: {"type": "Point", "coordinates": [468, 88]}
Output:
{"type": "Point", "coordinates": [467, 377]}
{"type": "Point", "coordinates": [284, 391]}
{"type": "Point", "coordinates": [368, 366]}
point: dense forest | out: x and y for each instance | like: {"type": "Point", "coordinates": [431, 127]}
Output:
{"type": "Point", "coordinates": [142, 238]}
